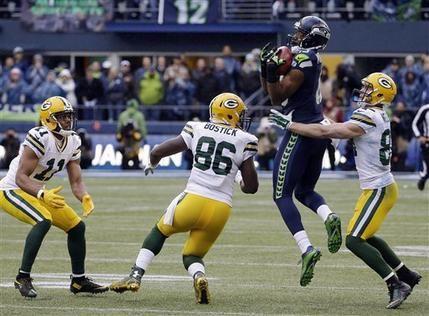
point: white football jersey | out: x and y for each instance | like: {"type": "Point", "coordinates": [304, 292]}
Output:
{"type": "Point", "coordinates": [373, 149]}
{"type": "Point", "coordinates": [52, 158]}
{"type": "Point", "coordinates": [218, 152]}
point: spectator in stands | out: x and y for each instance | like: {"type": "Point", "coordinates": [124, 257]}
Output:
{"type": "Point", "coordinates": [326, 84]}
{"type": "Point", "coordinates": [200, 69]}
{"type": "Point", "coordinates": [130, 132]}
{"type": "Point", "coordinates": [37, 72]}
{"type": "Point", "coordinates": [384, 10]}
{"type": "Point", "coordinates": [332, 110]}
{"type": "Point", "coordinates": [411, 90]}
{"type": "Point", "coordinates": [89, 92]}
{"type": "Point", "coordinates": [180, 92]}
{"type": "Point", "coordinates": [115, 93]}
{"type": "Point", "coordinates": [392, 70]}
{"type": "Point", "coordinates": [232, 67]}
{"type": "Point", "coordinates": [206, 87]}
{"type": "Point", "coordinates": [248, 78]}
{"type": "Point", "coordinates": [410, 66]}
{"type": "Point", "coordinates": [105, 69]}
{"type": "Point", "coordinates": [224, 79]}
{"type": "Point", "coordinates": [146, 65]}
{"type": "Point", "coordinates": [161, 65]}
{"type": "Point", "coordinates": [8, 65]}
{"type": "Point", "coordinates": [127, 76]}
{"type": "Point", "coordinates": [425, 80]}
{"type": "Point", "coordinates": [66, 82]}
{"type": "Point", "coordinates": [151, 92]}
{"type": "Point", "coordinates": [347, 80]}
{"type": "Point", "coordinates": [47, 89]}
{"type": "Point", "coordinates": [401, 135]}
{"type": "Point", "coordinates": [278, 9]}
{"type": "Point", "coordinates": [14, 89]}
{"type": "Point", "coordinates": [267, 144]}
{"type": "Point", "coordinates": [10, 143]}
{"type": "Point", "coordinates": [86, 155]}
{"type": "Point", "coordinates": [19, 59]}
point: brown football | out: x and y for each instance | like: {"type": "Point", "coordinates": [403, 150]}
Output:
{"type": "Point", "coordinates": [284, 53]}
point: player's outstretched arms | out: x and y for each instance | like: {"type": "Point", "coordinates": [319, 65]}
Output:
{"type": "Point", "coordinates": [27, 164]}
{"type": "Point", "coordinates": [250, 183]}
{"type": "Point", "coordinates": [336, 130]}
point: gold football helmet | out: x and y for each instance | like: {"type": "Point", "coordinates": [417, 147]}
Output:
{"type": "Point", "coordinates": [228, 108]}
{"type": "Point", "coordinates": [378, 88]}
{"type": "Point", "coordinates": [53, 110]}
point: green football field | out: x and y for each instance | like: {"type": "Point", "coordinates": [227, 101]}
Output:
{"type": "Point", "coordinates": [252, 268]}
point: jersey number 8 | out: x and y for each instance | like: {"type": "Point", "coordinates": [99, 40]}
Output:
{"type": "Point", "coordinates": [204, 159]}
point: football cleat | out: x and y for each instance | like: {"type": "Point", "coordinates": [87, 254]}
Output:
{"type": "Point", "coordinates": [333, 228]}
{"type": "Point", "coordinates": [412, 279]}
{"type": "Point", "coordinates": [421, 184]}
{"type": "Point", "coordinates": [309, 260]}
{"type": "Point", "coordinates": [130, 283]}
{"type": "Point", "coordinates": [25, 287]}
{"type": "Point", "coordinates": [398, 293]}
{"type": "Point", "coordinates": [201, 287]}
{"type": "Point", "coordinates": [85, 285]}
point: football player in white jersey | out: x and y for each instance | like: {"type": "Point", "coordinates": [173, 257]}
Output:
{"type": "Point", "coordinates": [369, 127]}
{"type": "Point", "coordinates": [45, 151]}
{"type": "Point", "coordinates": [221, 149]}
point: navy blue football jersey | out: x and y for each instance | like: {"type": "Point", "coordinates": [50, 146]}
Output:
{"type": "Point", "coordinates": [306, 101]}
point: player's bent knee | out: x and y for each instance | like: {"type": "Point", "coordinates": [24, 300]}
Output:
{"type": "Point", "coordinates": [45, 224]}
{"type": "Point", "coordinates": [301, 195]}
{"type": "Point", "coordinates": [79, 229]}
{"type": "Point", "coordinates": [352, 242]}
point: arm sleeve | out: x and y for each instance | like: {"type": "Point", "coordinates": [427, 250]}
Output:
{"type": "Point", "coordinates": [188, 134]}
{"type": "Point", "coordinates": [35, 142]}
{"type": "Point", "coordinates": [250, 148]}
{"type": "Point", "coordinates": [363, 119]}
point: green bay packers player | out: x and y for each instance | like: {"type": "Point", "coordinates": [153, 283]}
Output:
{"type": "Point", "coordinates": [45, 151]}
{"type": "Point", "coordinates": [369, 127]}
{"type": "Point", "coordinates": [221, 149]}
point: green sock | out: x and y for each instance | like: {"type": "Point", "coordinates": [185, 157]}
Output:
{"type": "Point", "coordinates": [76, 245]}
{"type": "Point", "coordinates": [188, 260]}
{"type": "Point", "coordinates": [154, 240]}
{"type": "Point", "coordinates": [388, 254]}
{"type": "Point", "coordinates": [370, 255]}
{"type": "Point", "coordinates": [33, 243]}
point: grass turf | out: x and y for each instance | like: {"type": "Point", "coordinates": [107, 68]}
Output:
{"type": "Point", "coordinates": [252, 267]}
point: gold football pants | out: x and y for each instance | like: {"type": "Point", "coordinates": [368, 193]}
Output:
{"type": "Point", "coordinates": [370, 211]}
{"type": "Point", "coordinates": [31, 210]}
{"type": "Point", "coordinates": [204, 218]}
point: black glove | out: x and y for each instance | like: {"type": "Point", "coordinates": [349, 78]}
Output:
{"type": "Point", "coordinates": [272, 65]}
{"type": "Point", "coordinates": [266, 53]}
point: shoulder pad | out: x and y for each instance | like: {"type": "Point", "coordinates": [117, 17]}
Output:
{"type": "Point", "coordinates": [301, 58]}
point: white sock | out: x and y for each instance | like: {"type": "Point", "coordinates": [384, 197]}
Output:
{"type": "Point", "coordinates": [195, 268]}
{"type": "Point", "coordinates": [399, 267]}
{"type": "Point", "coordinates": [78, 275]}
{"type": "Point", "coordinates": [144, 258]}
{"type": "Point", "coordinates": [302, 240]}
{"type": "Point", "coordinates": [323, 211]}
{"type": "Point", "coordinates": [391, 274]}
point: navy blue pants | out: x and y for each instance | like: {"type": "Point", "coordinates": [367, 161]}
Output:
{"type": "Point", "coordinates": [297, 167]}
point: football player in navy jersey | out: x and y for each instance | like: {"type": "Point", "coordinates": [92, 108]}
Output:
{"type": "Point", "coordinates": [298, 162]}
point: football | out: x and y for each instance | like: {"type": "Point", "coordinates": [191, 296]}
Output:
{"type": "Point", "coordinates": [284, 53]}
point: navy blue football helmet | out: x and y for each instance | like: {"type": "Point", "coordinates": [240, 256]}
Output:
{"type": "Point", "coordinates": [311, 32]}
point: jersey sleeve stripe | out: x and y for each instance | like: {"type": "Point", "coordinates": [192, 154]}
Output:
{"type": "Point", "coordinates": [363, 121]}
{"type": "Point", "coordinates": [41, 151]}
{"type": "Point", "coordinates": [363, 116]}
{"type": "Point", "coordinates": [189, 126]}
{"type": "Point", "coordinates": [189, 132]}
{"type": "Point", "coordinates": [250, 149]}
{"type": "Point", "coordinates": [252, 143]}
{"type": "Point", "coordinates": [36, 140]}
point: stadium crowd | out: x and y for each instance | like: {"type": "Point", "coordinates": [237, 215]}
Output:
{"type": "Point", "coordinates": [180, 85]}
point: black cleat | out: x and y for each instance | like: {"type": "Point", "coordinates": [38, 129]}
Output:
{"type": "Point", "coordinates": [421, 184]}
{"type": "Point", "coordinates": [412, 279]}
{"type": "Point", "coordinates": [398, 293]}
{"type": "Point", "coordinates": [25, 287]}
{"type": "Point", "coordinates": [85, 285]}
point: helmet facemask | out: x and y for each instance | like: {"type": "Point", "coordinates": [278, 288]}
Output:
{"type": "Point", "coordinates": [365, 95]}
{"type": "Point", "coordinates": [60, 116]}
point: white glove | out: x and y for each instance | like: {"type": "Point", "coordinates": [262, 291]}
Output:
{"type": "Point", "coordinates": [149, 169]}
{"type": "Point", "coordinates": [281, 120]}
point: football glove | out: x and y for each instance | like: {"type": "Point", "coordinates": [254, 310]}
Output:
{"type": "Point", "coordinates": [272, 65]}
{"type": "Point", "coordinates": [266, 53]}
{"type": "Point", "coordinates": [51, 197]}
{"type": "Point", "coordinates": [238, 177]}
{"type": "Point", "coordinates": [87, 205]}
{"type": "Point", "coordinates": [149, 169]}
{"type": "Point", "coordinates": [281, 120]}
